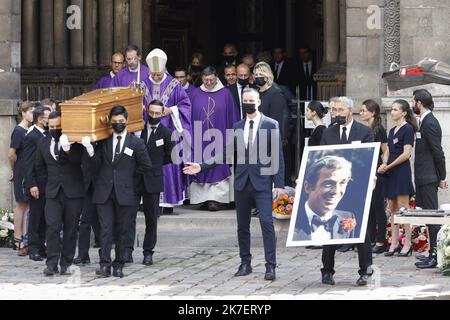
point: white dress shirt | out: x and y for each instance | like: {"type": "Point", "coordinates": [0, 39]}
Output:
{"type": "Point", "coordinates": [309, 64]}
{"type": "Point", "coordinates": [320, 233]}
{"type": "Point", "coordinates": [115, 140]}
{"type": "Point", "coordinates": [52, 148]}
{"type": "Point", "coordinates": [256, 122]}
{"type": "Point", "coordinates": [349, 127]}
{"type": "Point", "coordinates": [279, 65]}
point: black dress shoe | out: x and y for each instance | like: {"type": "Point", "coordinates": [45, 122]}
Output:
{"type": "Point", "coordinates": [345, 248]}
{"type": "Point", "coordinates": [148, 260]}
{"type": "Point", "coordinates": [327, 278]}
{"type": "Point", "coordinates": [244, 269]}
{"type": "Point", "coordinates": [378, 249]}
{"type": "Point", "coordinates": [103, 272]}
{"type": "Point", "coordinates": [65, 271]}
{"type": "Point", "coordinates": [50, 271]}
{"type": "Point", "coordinates": [363, 279]}
{"type": "Point", "coordinates": [128, 259]}
{"type": "Point", "coordinates": [213, 206]}
{"type": "Point", "coordinates": [36, 257]}
{"type": "Point", "coordinates": [313, 247]}
{"type": "Point", "coordinates": [427, 264]}
{"type": "Point", "coordinates": [167, 211]}
{"type": "Point", "coordinates": [270, 273]}
{"type": "Point", "coordinates": [79, 261]}
{"type": "Point", "coordinates": [421, 257]}
{"type": "Point", "coordinates": [117, 272]}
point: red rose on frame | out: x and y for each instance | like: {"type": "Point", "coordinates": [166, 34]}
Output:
{"type": "Point", "coordinates": [348, 224]}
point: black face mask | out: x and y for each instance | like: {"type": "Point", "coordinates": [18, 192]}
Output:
{"type": "Point", "coordinates": [153, 121]}
{"type": "Point", "coordinates": [56, 133]}
{"type": "Point", "coordinates": [260, 81]}
{"type": "Point", "coordinates": [229, 59]}
{"type": "Point", "coordinates": [249, 108]}
{"type": "Point", "coordinates": [341, 120]}
{"type": "Point", "coordinates": [119, 127]}
{"type": "Point", "coordinates": [243, 82]}
{"type": "Point", "coordinates": [196, 69]}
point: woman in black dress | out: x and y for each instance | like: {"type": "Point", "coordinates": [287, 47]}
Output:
{"type": "Point", "coordinates": [15, 156]}
{"type": "Point", "coordinates": [315, 112]}
{"type": "Point", "coordinates": [397, 168]}
{"type": "Point", "coordinates": [370, 113]}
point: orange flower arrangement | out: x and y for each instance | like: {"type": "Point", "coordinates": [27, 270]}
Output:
{"type": "Point", "coordinates": [284, 205]}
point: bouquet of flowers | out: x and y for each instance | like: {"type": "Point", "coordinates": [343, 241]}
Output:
{"type": "Point", "coordinates": [6, 228]}
{"type": "Point", "coordinates": [443, 249]}
{"type": "Point", "coordinates": [282, 208]}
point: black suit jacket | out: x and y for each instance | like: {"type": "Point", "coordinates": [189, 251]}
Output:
{"type": "Point", "coordinates": [234, 91]}
{"type": "Point", "coordinates": [64, 173]}
{"type": "Point", "coordinates": [274, 105]}
{"type": "Point", "coordinates": [123, 175]}
{"type": "Point", "coordinates": [252, 170]}
{"type": "Point", "coordinates": [286, 76]}
{"type": "Point", "coordinates": [305, 81]}
{"type": "Point", "coordinates": [32, 179]}
{"type": "Point", "coordinates": [359, 132]}
{"type": "Point", "coordinates": [429, 163]}
{"type": "Point", "coordinates": [159, 155]}
{"type": "Point", "coordinates": [303, 229]}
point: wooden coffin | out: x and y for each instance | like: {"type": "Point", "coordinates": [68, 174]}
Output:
{"type": "Point", "coordinates": [88, 114]}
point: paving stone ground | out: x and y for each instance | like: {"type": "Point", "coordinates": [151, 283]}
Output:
{"type": "Point", "coordinates": [198, 262]}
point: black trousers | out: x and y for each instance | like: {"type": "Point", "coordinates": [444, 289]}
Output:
{"type": "Point", "coordinates": [62, 213]}
{"type": "Point", "coordinates": [377, 215]}
{"type": "Point", "coordinates": [151, 209]}
{"type": "Point", "coordinates": [114, 218]}
{"type": "Point", "coordinates": [364, 256]}
{"type": "Point", "coordinates": [263, 201]}
{"type": "Point", "coordinates": [89, 219]}
{"type": "Point", "coordinates": [131, 236]}
{"type": "Point", "coordinates": [287, 165]}
{"type": "Point", "coordinates": [427, 198]}
{"type": "Point", "coordinates": [36, 226]}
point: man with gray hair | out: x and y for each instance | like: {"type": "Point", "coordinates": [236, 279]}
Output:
{"type": "Point", "coordinates": [346, 130]}
{"type": "Point", "coordinates": [325, 183]}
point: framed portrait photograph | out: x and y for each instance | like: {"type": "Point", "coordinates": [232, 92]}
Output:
{"type": "Point", "coordinates": [333, 194]}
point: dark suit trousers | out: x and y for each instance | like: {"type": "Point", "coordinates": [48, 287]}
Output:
{"type": "Point", "coordinates": [36, 226]}
{"type": "Point", "coordinates": [62, 212]}
{"type": "Point", "coordinates": [151, 209]}
{"type": "Point", "coordinates": [89, 219]}
{"type": "Point", "coordinates": [113, 218]}
{"type": "Point", "coordinates": [377, 216]}
{"type": "Point", "coordinates": [131, 235]}
{"type": "Point", "coordinates": [364, 256]}
{"type": "Point", "coordinates": [263, 199]}
{"type": "Point", "coordinates": [287, 165]}
{"type": "Point", "coordinates": [427, 198]}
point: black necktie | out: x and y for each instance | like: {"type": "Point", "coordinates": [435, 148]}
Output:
{"type": "Point", "coordinates": [306, 70]}
{"type": "Point", "coordinates": [250, 135]}
{"type": "Point", "coordinates": [276, 71]}
{"type": "Point", "coordinates": [344, 135]}
{"type": "Point", "coordinates": [56, 150]}
{"type": "Point", "coordinates": [152, 134]}
{"type": "Point", "coordinates": [117, 151]}
{"type": "Point", "coordinates": [316, 222]}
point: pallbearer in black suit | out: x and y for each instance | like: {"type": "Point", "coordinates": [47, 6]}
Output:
{"type": "Point", "coordinates": [159, 147]}
{"type": "Point", "coordinates": [347, 130]}
{"type": "Point", "coordinates": [255, 137]}
{"type": "Point", "coordinates": [60, 161]}
{"type": "Point", "coordinates": [119, 162]}
{"type": "Point", "coordinates": [35, 184]}
{"type": "Point", "coordinates": [429, 165]}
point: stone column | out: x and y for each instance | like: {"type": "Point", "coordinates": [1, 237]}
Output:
{"type": "Point", "coordinates": [89, 32]}
{"type": "Point", "coordinates": [331, 30]}
{"type": "Point", "coordinates": [76, 39]}
{"type": "Point", "coordinates": [289, 27]}
{"type": "Point", "coordinates": [148, 18]}
{"type": "Point", "coordinates": [342, 31]}
{"type": "Point", "coordinates": [61, 33]}
{"type": "Point", "coordinates": [10, 29]}
{"type": "Point", "coordinates": [391, 33]}
{"type": "Point", "coordinates": [121, 22]}
{"type": "Point", "coordinates": [46, 33]}
{"type": "Point", "coordinates": [136, 23]}
{"type": "Point", "coordinates": [106, 31]}
{"type": "Point", "coordinates": [30, 41]}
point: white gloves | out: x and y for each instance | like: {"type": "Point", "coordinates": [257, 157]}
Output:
{"type": "Point", "coordinates": [64, 141]}
{"type": "Point", "coordinates": [86, 142]}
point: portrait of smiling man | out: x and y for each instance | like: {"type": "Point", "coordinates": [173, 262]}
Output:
{"type": "Point", "coordinates": [325, 184]}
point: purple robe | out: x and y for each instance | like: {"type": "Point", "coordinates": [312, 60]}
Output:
{"type": "Point", "coordinates": [175, 183]}
{"type": "Point", "coordinates": [125, 78]}
{"type": "Point", "coordinates": [191, 91]}
{"type": "Point", "coordinates": [105, 82]}
{"type": "Point", "coordinates": [214, 110]}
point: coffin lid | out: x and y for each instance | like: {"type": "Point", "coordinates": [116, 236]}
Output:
{"type": "Point", "coordinates": [104, 96]}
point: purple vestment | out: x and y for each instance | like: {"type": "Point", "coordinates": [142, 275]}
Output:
{"type": "Point", "coordinates": [175, 183]}
{"type": "Point", "coordinates": [105, 82]}
{"type": "Point", "coordinates": [125, 78]}
{"type": "Point", "coordinates": [213, 110]}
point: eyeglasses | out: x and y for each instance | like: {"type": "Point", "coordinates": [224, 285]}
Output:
{"type": "Point", "coordinates": [132, 59]}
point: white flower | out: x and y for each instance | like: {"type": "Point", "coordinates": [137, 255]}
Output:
{"type": "Point", "coordinates": [447, 251]}
{"type": "Point", "coordinates": [3, 233]}
{"type": "Point", "coordinates": [5, 217]}
{"type": "Point", "coordinates": [11, 215]}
